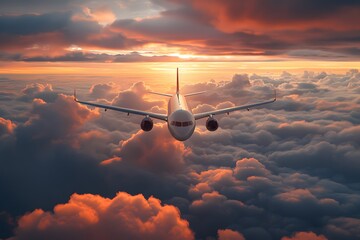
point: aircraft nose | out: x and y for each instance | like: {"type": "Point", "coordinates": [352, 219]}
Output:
{"type": "Point", "coordinates": [183, 133]}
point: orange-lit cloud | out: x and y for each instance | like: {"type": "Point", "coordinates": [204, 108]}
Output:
{"type": "Point", "coordinates": [260, 15]}
{"type": "Point", "coordinates": [305, 236]}
{"type": "Point", "coordinates": [228, 234]}
{"type": "Point", "coordinates": [102, 15]}
{"type": "Point", "coordinates": [90, 216]}
{"type": "Point", "coordinates": [6, 126]}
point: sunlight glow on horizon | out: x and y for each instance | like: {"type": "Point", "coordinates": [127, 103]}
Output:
{"type": "Point", "coordinates": [161, 75]}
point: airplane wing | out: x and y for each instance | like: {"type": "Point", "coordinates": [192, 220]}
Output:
{"type": "Point", "coordinates": [231, 109]}
{"type": "Point", "coordinates": [125, 110]}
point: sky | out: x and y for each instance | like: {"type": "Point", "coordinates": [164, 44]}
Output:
{"type": "Point", "coordinates": [287, 171]}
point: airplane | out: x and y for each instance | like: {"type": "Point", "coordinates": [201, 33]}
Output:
{"type": "Point", "coordinates": [180, 119]}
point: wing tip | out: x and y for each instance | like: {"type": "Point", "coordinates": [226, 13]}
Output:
{"type": "Point", "coordinates": [275, 97]}
{"type": "Point", "coordinates": [75, 98]}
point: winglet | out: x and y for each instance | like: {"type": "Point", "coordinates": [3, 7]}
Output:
{"type": "Point", "coordinates": [274, 94]}
{"type": "Point", "coordinates": [194, 93]}
{"type": "Point", "coordinates": [177, 80]}
{"type": "Point", "coordinates": [75, 98]}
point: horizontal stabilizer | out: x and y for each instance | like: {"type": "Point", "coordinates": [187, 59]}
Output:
{"type": "Point", "coordinates": [161, 94]}
{"type": "Point", "coordinates": [193, 94]}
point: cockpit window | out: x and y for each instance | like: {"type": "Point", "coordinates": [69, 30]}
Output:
{"type": "Point", "coordinates": [181, 124]}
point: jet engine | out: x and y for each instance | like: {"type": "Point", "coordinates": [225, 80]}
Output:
{"type": "Point", "coordinates": [212, 124]}
{"type": "Point", "coordinates": [147, 124]}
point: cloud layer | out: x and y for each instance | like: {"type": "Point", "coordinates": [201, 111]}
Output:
{"type": "Point", "coordinates": [285, 171]}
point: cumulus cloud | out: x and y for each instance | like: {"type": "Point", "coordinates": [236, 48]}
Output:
{"type": "Point", "coordinates": [53, 121]}
{"type": "Point", "coordinates": [134, 98]}
{"type": "Point", "coordinates": [305, 235]}
{"type": "Point", "coordinates": [228, 234]}
{"type": "Point", "coordinates": [344, 227]}
{"type": "Point", "coordinates": [90, 216]}
{"type": "Point", "coordinates": [103, 90]}
{"type": "Point", "coordinates": [6, 126]}
{"type": "Point", "coordinates": [38, 90]}
{"type": "Point", "coordinates": [156, 150]}
{"type": "Point", "coordinates": [215, 211]}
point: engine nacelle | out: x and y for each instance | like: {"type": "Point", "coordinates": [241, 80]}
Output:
{"type": "Point", "coordinates": [147, 124]}
{"type": "Point", "coordinates": [212, 124]}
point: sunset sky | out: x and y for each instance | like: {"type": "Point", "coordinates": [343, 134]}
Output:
{"type": "Point", "coordinates": [287, 171]}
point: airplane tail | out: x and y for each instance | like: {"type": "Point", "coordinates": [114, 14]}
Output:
{"type": "Point", "coordinates": [177, 80]}
{"type": "Point", "coordinates": [177, 88]}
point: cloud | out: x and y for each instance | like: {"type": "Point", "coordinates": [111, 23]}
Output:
{"type": "Point", "coordinates": [43, 37]}
{"type": "Point", "coordinates": [6, 126]}
{"type": "Point", "coordinates": [91, 216]}
{"type": "Point", "coordinates": [33, 24]}
{"type": "Point", "coordinates": [103, 90]}
{"type": "Point", "coordinates": [295, 201]}
{"type": "Point", "coordinates": [38, 90]}
{"type": "Point", "coordinates": [215, 211]}
{"type": "Point", "coordinates": [234, 16]}
{"type": "Point", "coordinates": [345, 228]}
{"type": "Point", "coordinates": [228, 234]}
{"type": "Point", "coordinates": [156, 151]}
{"type": "Point", "coordinates": [249, 167]}
{"type": "Point", "coordinates": [286, 170]}
{"type": "Point", "coordinates": [54, 121]}
{"type": "Point", "coordinates": [134, 98]}
{"type": "Point", "coordinates": [34, 31]}
{"type": "Point", "coordinates": [305, 235]}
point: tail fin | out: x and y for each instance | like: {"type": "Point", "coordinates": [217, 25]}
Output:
{"type": "Point", "coordinates": [177, 80]}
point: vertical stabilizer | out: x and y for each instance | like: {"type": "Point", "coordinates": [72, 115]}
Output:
{"type": "Point", "coordinates": [177, 80]}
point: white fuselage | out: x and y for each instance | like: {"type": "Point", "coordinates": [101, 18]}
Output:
{"type": "Point", "coordinates": [181, 121]}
